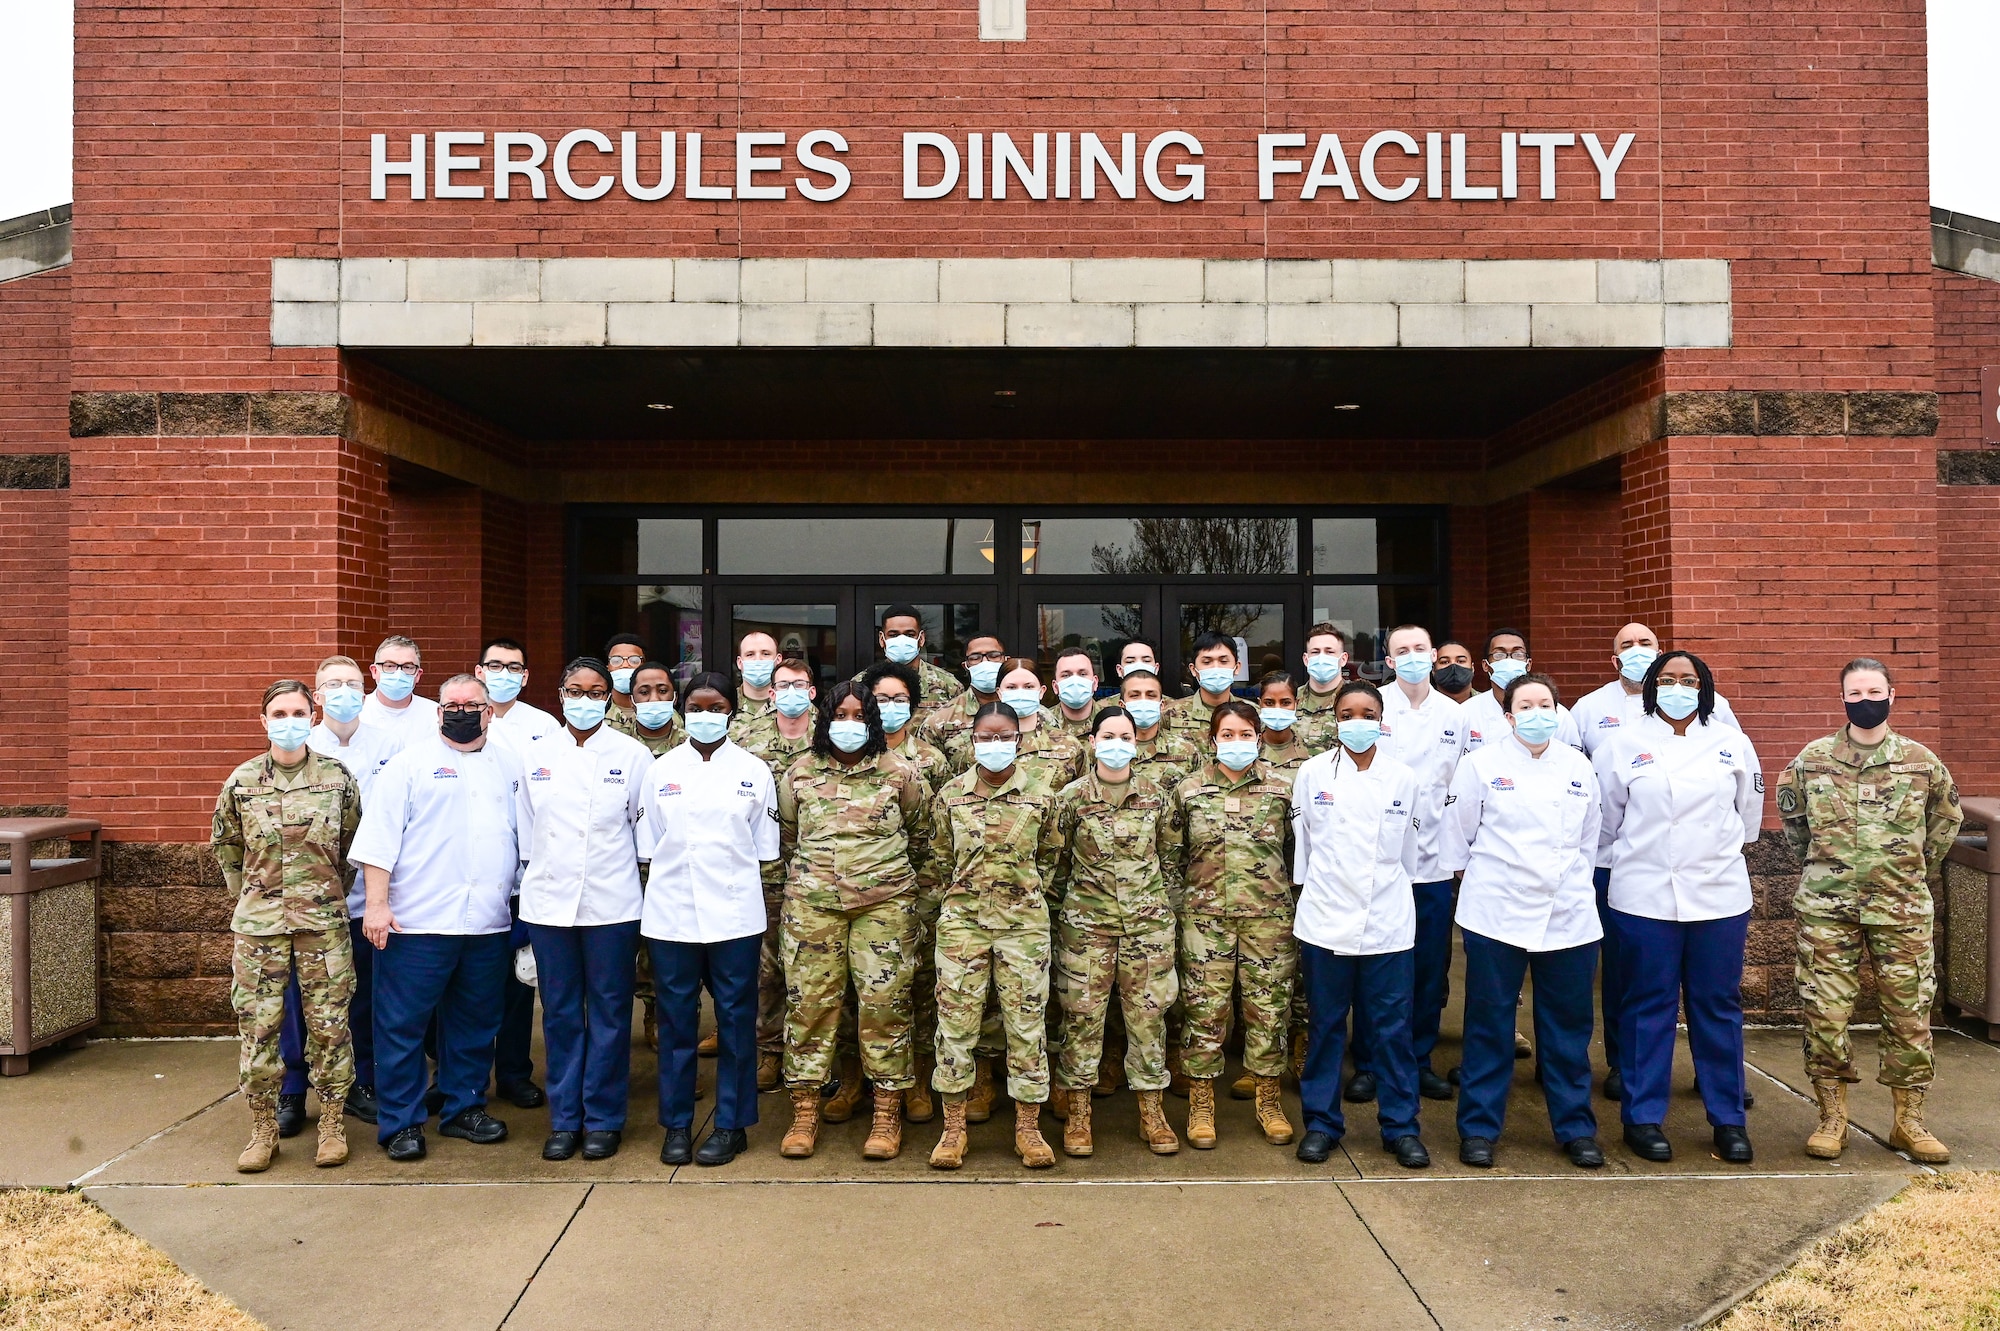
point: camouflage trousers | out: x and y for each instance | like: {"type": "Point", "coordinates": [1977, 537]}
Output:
{"type": "Point", "coordinates": [923, 989]}
{"type": "Point", "coordinates": [1829, 978]}
{"type": "Point", "coordinates": [771, 973]}
{"type": "Point", "coordinates": [260, 969]}
{"type": "Point", "coordinates": [1015, 961]}
{"type": "Point", "coordinates": [1140, 968]}
{"type": "Point", "coordinates": [1260, 957]}
{"type": "Point", "coordinates": [876, 947]}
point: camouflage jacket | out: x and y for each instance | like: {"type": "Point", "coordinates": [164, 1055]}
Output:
{"type": "Point", "coordinates": [852, 837]}
{"type": "Point", "coordinates": [1871, 827]}
{"type": "Point", "coordinates": [1114, 840]}
{"type": "Point", "coordinates": [282, 840]}
{"type": "Point", "coordinates": [928, 758]}
{"type": "Point", "coordinates": [950, 723]}
{"type": "Point", "coordinates": [939, 686]}
{"type": "Point", "coordinates": [761, 739]}
{"type": "Point", "coordinates": [1060, 754]}
{"type": "Point", "coordinates": [1080, 729]}
{"type": "Point", "coordinates": [748, 711]}
{"type": "Point", "coordinates": [1233, 842]}
{"type": "Point", "coordinates": [1167, 758]}
{"type": "Point", "coordinates": [1316, 728]}
{"type": "Point", "coordinates": [1188, 716]}
{"type": "Point", "coordinates": [996, 849]}
{"type": "Point", "coordinates": [1289, 756]}
{"type": "Point", "coordinates": [627, 723]}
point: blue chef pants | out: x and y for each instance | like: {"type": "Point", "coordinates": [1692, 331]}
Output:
{"type": "Point", "coordinates": [1379, 986]}
{"type": "Point", "coordinates": [360, 1021]}
{"type": "Point", "coordinates": [1665, 959]}
{"type": "Point", "coordinates": [586, 976]}
{"type": "Point", "coordinates": [1493, 974]}
{"type": "Point", "coordinates": [1612, 979]}
{"type": "Point", "coordinates": [457, 977]}
{"type": "Point", "coordinates": [512, 1064]}
{"type": "Point", "coordinates": [1436, 903]}
{"type": "Point", "coordinates": [729, 969]}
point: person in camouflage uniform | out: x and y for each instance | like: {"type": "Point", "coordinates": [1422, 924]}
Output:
{"type": "Point", "coordinates": [1326, 664]}
{"type": "Point", "coordinates": [776, 739]}
{"type": "Point", "coordinates": [757, 658]}
{"type": "Point", "coordinates": [1165, 755]}
{"type": "Point", "coordinates": [902, 641]}
{"type": "Point", "coordinates": [1214, 668]}
{"type": "Point", "coordinates": [1285, 747]}
{"type": "Point", "coordinates": [995, 842]}
{"type": "Point", "coordinates": [1044, 741]}
{"type": "Point", "coordinates": [1232, 827]}
{"type": "Point", "coordinates": [624, 653]}
{"type": "Point", "coordinates": [1115, 931]}
{"type": "Point", "coordinates": [949, 726]}
{"type": "Point", "coordinates": [1076, 692]}
{"type": "Point", "coordinates": [1870, 815]}
{"type": "Point", "coordinates": [855, 839]}
{"type": "Point", "coordinates": [283, 825]}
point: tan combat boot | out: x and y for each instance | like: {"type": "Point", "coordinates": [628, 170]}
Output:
{"type": "Point", "coordinates": [1058, 1105]}
{"type": "Point", "coordinates": [918, 1105]}
{"type": "Point", "coordinates": [1829, 1139]}
{"type": "Point", "coordinates": [711, 1045]}
{"type": "Point", "coordinates": [1243, 1088]}
{"type": "Point", "coordinates": [1110, 1069]}
{"type": "Point", "coordinates": [332, 1134]}
{"type": "Point", "coordinates": [1076, 1128]}
{"type": "Point", "coordinates": [1153, 1127]}
{"type": "Point", "coordinates": [1296, 1068]}
{"type": "Point", "coordinates": [949, 1153]}
{"type": "Point", "coordinates": [770, 1068]}
{"type": "Point", "coordinates": [263, 1147]}
{"type": "Point", "coordinates": [979, 1102]}
{"type": "Point", "coordinates": [885, 1135]}
{"type": "Point", "coordinates": [1177, 1078]}
{"type": "Point", "coordinates": [1028, 1143]}
{"type": "Point", "coordinates": [1910, 1134]}
{"type": "Point", "coordinates": [842, 1106]}
{"type": "Point", "coordinates": [1271, 1112]}
{"type": "Point", "coordinates": [803, 1135]}
{"type": "Point", "coordinates": [1201, 1113]}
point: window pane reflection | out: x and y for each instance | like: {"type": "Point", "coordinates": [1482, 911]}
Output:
{"type": "Point", "coordinates": [1136, 546]}
{"type": "Point", "coordinates": [1374, 545]}
{"type": "Point", "coordinates": [1098, 629]}
{"type": "Point", "coordinates": [1258, 629]}
{"type": "Point", "coordinates": [662, 546]}
{"type": "Point", "coordinates": [668, 618]}
{"type": "Point", "coordinates": [947, 628]}
{"type": "Point", "coordinates": [858, 546]}
{"type": "Point", "coordinates": [800, 630]}
{"type": "Point", "coordinates": [1366, 614]}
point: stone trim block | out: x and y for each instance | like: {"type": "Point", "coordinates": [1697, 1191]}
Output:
{"type": "Point", "coordinates": [771, 281]}
{"type": "Point", "coordinates": [822, 324]}
{"type": "Point", "coordinates": [608, 280]}
{"type": "Point", "coordinates": [677, 325]}
{"type": "Point", "coordinates": [475, 280]}
{"type": "Point", "coordinates": [872, 279]}
{"type": "Point", "coordinates": [1199, 325]}
{"type": "Point", "coordinates": [1597, 325]}
{"type": "Point", "coordinates": [305, 279]}
{"type": "Point", "coordinates": [1003, 281]}
{"type": "Point", "coordinates": [1069, 325]}
{"type": "Point", "coordinates": [34, 471]}
{"type": "Point", "coordinates": [1465, 326]}
{"type": "Point", "coordinates": [374, 279]}
{"type": "Point", "coordinates": [1968, 466]}
{"type": "Point", "coordinates": [1331, 326]}
{"type": "Point", "coordinates": [919, 325]}
{"type": "Point", "coordinates": [298, 324]}
{"type": "Point", "coordinates": [1137, 281]}
{"type": "Point", "coordinates": [544, 324]}
{"type": "Point", "coordinates": [404, 324]}
{"type": "Point", "coordinates": [1531, 282]}
{"type": "Point", "coordinates": [705, 280]}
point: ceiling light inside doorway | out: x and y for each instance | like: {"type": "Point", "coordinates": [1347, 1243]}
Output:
{"type": "Point", "coordinates": [1347, 406]}
{"type": "Point", "coordinates": [659, 406]}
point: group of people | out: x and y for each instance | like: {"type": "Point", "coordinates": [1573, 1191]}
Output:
{"type": "Point", "coordinates": [881, 889]}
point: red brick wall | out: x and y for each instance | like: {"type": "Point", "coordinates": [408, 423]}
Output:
{"type": "Point", "coordinates": [1578, 593]}
{"type": "Point", "coordinates": [1508, 576]}
{"type": "Point", "coordinates": [436, 588]}
{"type": "Point", "coordinates": [1968, 338]}
{"type": "Point", "coordinates": [1466, 525]}
{"type": "Point", "coordinates": [542, 581]}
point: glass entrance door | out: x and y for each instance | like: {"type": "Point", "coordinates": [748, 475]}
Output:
{"type": "Point", "coordinates": [813, 622]}
{"type": "Point", "coordinates": [1096, 617]}
{"type": "Point", "coordinates": [951, 618]}
{"type": "Point", "coordinates": [1264, 620]}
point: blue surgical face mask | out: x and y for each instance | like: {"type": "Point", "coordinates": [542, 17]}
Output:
{"type": "Point", "coordinates": [900, 648]}
{"type": "Point", "coordinates": [1236, 754]}
{"type": "Point", "coordinates": [1145, 712]}
{"type": "Point", "coordinates": [1023, 703]}
{"type": "Point", "coordinates": [792, 700]}
{"type": "Point", "coordinates": [288, 732]}
{"type": "Point", "coordinates": [1074, 690]}
{"type": "Point", "coordinates": [1537, 726]}
{"type": "Point", "coordinates": [502, 687]}
{"type": "Point", "coordinates": [655, 715]}
{"type": "Point", "coordinates": [343, 702]}
{"type": "Point", "coordinates": [584, 713]}
{"type": "Point", "coordinates": [1678, 700]}
{"type": "Point", "coordinates": [395, 685]}
{"type": "Point", "coordinates": [1358, 735]}
{"type": "Point", "coordinates": [1216, 679]}
{"type": "Point", "coordinates": [1116, 754]}
{"type": "Point", "coordinates": [985, 675]}
{"type": "Point", "coordinates": [758, 673]}
{"type": "Point", "coordinates": [1505, 672]}
{"type": "Point", "coordinates": [1324, 669]}
{"type": "Point", "coordinates": [895, 715]}
{"type": "Point", "coordinates": [1142, 667]}
{"type": "Point", "coordinates": [621, 680]}
{"type": "Point", "coordinates": [1415, 667]}
{"type": "Point", "coordinates": [846, 735]}
{"type": "Point", "coordinates": [1634, 661]}
{"type": "Point", "coordinates": [1277, 718]}
{"type": "Point", "coordinates": [995, 755]}
{"type": "Point", "coordinates": [708, 727]}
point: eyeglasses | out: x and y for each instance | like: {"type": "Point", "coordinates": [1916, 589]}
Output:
{"type": "Point", "coordinates": [1518, 654]}
{"type": "Point", "coordinates": [504, 667]}
{"type": "Point", "coordinates": [398, 668]}
{"type": "Point", "coordinates": [791, 687]}
{"type": "Point", "coordinates": [575, 694]}
{"type": "Point", "coordinates": [463, 708]}
{"type": "Point", "coordinates": [884, 699]}
{"type": "Point", "coordinates": [615, 661]}
{"type": "Point", "coordinates": [970, 657]}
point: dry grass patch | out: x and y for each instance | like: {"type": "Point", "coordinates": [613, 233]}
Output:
{"type": "Point", "coordinates": [65, 1265]}
{"type": "Point", "coordinates": [1927, 1260]}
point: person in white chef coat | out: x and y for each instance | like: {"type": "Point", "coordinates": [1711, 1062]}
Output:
{"type": "Point", "coordinates": [1601, 715]}
{"type": "Point", "coordinates": [582, 789]}
{"type": "Point", "coordinates": [439, 856]}
{"type": "Point", "coordinates": [1354, 822]}
{"type": "Point", "coordinates": [1522, 825]}
{"type": "Point", "coordinates": [1683, 795]}
{"type": "Point", "coordinates": [711, 818]}
{"type": "Point", "coordinates": [1506, 660]}
{"type": "Point", "coordinates": [395, 705]}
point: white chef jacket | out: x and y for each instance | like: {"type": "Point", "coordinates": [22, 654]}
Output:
{"type": "Point", "coordinates": [1356, 839]}
{"type": "Point", "coordinates": [407, 724]}
{"type": "Point", "coordinates": [367, 751]}
{"type": "Point", "coordinates": [1485, 722]}
{"type": "Point", "coordinates": [1524, 830]}
{"type": "Point", "coordinates": [1678, 811]}
{"type": "Point", "coordinates": [1604, 712]}
{"type": "Point", "coordinates": [579, 810]}
{"type": "Point", "coordinates": [709, 824]}
{"type": "Point", "coordinates": [1429, 739]}
{"type": "Point", "coordinates": [523, 724]}
{"type": "Point", "coordinates": [442, 823]}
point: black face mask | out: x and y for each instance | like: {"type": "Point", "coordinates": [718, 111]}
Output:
{"type": "Point", "coordinates": [1451, 678]}
{"type": "Point", "coordinates": [461, 727]}
{"type": "Point", "coordinates": [1867, 713]}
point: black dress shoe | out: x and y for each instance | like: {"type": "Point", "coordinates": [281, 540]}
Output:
{"type": "Point", "coordinates": [601, 1144]}
{"type": "Point", "coordinates": [1433, 1087]}
{"type": "Point", "coordinates": [1476, 1151]}
{"type": "Point", "coordinates": [1732, 1144]}
{"type": "Point", "coordinates": [361, 1102]}
{"type": "Point", "coordinates": [1456, 1076]}
{"type": "Point", "coordinates": [678, 1149]}
{"type": "Point", "coordinates": [406, 1145]}
{"type": "Point", "coordinates": [1316, 1147]}
{"type": "Point", "coordinates": [1360, 1088]}
{"type": "Point", "coordinates": [560, 1145]}
{"type": "Point", "coordinates": [722, 1146]}
{"type": "Point", "coordinates": [1614, 1086]}
{"type": "Point", "coordinates": [476, 1126]}
{"type": "Point", "coordinates": [1648, 1142]}
{"type": "Point", "coordinates": [1409, 1152]}
{"type": "Point", "coordinates": [1749, 1096]}
{"type": "Point", "coordinates": [291, 1115]}
{"type": "Point", "coordinates": [1584, 1152]}
{"type": "Point", "coordinates": [524, 1095]}
{"type": "Point", "coordinates": [434, 1099]}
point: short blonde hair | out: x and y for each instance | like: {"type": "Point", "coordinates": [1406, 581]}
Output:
{"type": "Point", "coordinates": [347, 661]}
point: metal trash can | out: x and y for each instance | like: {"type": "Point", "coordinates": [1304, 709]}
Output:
{"type": "Point", "coordinates": [48, 938]}
{"type": "Point", "coordinates": [1971, 916]}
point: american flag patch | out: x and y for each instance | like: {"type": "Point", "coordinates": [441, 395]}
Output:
{"type": "Point", "coordinates": [1503, 783]}
{"type": "Point", "coordinates": [445, 771]}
